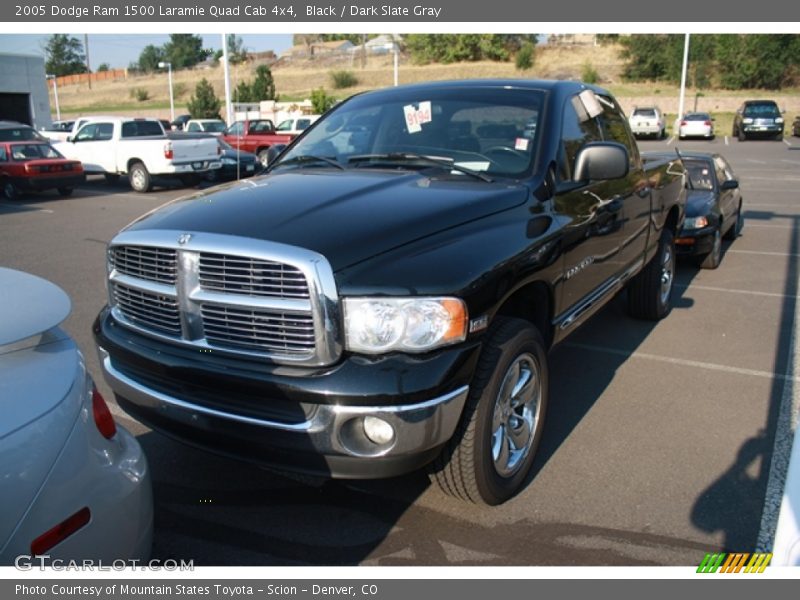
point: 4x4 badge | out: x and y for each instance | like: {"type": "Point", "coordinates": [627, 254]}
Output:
{"type": "Point", "coordinates": [184, 238]}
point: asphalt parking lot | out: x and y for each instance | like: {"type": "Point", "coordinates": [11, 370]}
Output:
{"type": "Point", "coordinates": [660, 451]}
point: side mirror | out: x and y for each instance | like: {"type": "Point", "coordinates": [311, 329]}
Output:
{"type": "Point", "coordinates": [601, 161]}
{"type": "Point", "coordinates": [730, 184]}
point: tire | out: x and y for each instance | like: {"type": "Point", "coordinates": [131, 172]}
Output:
{"type": "Point", "coordinates": [736, 229]}
{"type": "Point", "coordinates": [506, 405]}
{"type": "Point", "coordinates": [111, 177]}
{"type": "Point", "coordinates": [650, 292]}
{"type": "Point", "coordinates": [742, 135]}
{"type": "Point", "coordinates": [139, 178]}
{"type": "Point", "coordinates": [263, 157]}
{"type": "Point", "coordinates": [713, 258]}
{"type": "Point", "coordinates": [64, 191]}
{"type": "Point", "coordinates": [10, 191]}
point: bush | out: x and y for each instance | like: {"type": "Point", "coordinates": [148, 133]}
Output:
{"type": "Point", "coordinates": [321, 101]}
{"type": "Point", "coordinates": [204, 104]}
{"type": "Point", "coordinates": [343, 79]}
{"type": "Point", "coordinates": [525, 57]}
{"type": "Point", "coordinates": [140, 94]}
{"type": "Point", "coordinates": [179, 89]}
{"type": "Point", "coordinates": [589, 74]}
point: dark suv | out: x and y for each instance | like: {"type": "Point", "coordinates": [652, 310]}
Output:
{"type": "Point", "coordinates": [758, 118]}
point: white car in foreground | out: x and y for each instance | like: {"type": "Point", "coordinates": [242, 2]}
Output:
{"type": "Point", "coordinates": [74, 485]}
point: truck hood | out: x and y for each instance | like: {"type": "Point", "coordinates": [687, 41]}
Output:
{"type": "Point", "coordinates": [347, 216]}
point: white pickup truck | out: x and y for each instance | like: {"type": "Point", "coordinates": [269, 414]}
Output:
{"type": "Point", "coordinates": [139, 148]}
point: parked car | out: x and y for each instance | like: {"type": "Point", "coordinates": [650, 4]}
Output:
{"type": "Point", "coordinates": [236, 164]}
{"type": "Point", "coordinates": [140, 149]}
{"type": "Point", "coordinates": [648, 121]}
{"type": "Point", "coordinates": [74, 484]}
{"type": "Point", "coordinates": [180, 121]}
{"type": "Point", "coordinates": [256, 136]}
{"type": "Point", "coordinates": [796, 127]}
{"type": "Point", "coordinates": [212, 126]}
{"type": "Point", "coordinates": [713, 208]}
{"type": "Point", "coordinates": [11, 131]}
{"type": "Point", "coordinates": [758, 118]}
{"type": "Point", "coordinates": [296, 125]}
{"type": "Point", "coordinates": [59, 126]}
{"type": "Point", "coordinates": [37, 166]}
{"type": "Point", "coordinates": [62, 135]}
{"type": "Point", "coordinates": [393, 295]}
{"type": "Point", "coordinates": [696, 124]}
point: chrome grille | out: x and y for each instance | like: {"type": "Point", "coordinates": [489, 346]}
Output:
{"type": "Point", "coordinates": [251, 277]}
{"type": "Point", "coordinates": [152, 311]}
{"type": "Point", "coordinates": [258, 330]}
{"type": "Point", "coordinates": [235, 295]}
{"type": "Point", "coordinates": [143, 262]}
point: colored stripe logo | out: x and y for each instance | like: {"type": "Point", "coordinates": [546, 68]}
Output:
{"type": "Point", "coordinates": [738, 562]}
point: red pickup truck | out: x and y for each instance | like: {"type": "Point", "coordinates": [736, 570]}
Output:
{"type": "Point", "coordinates": [255, 136]}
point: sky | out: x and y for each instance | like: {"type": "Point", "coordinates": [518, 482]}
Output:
{"type": "Point", "coordinates": [119, 50]}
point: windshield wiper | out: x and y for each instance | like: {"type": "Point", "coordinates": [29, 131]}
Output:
{"type": "Point", "coordinates": [419, 158]}
{"type": "Point", "coordinates": [310, 158]}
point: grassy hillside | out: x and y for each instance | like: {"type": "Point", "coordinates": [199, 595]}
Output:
{"type": "Point", "coordinates": [295, 80]}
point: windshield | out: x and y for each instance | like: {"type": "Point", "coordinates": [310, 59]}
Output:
{"type": "Point", "coordinates": [490, 130]}
{"type": "Point", "coordinates": [214, 126]}
{"type": "Point", "coordinates": [700, 174]}
{"type": "Point", "coordinates": [697, 117]}
{"type": "Point", "coordinates": [762, 110]}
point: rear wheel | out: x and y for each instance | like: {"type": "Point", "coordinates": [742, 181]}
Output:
{"type": "Point", "coordinates": [492, 450]}
{"type": "Point", "coordinates": [650, 292]}
{"type": "Point", "coordinates": [140, 178]}
{"type": "Point", "coordinates": [64, 191]}
{"type": "Point", "coordinates": [263, 157]}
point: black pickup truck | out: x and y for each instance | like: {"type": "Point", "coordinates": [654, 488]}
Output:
{"type": "Point", "coordinates": [385, 296]}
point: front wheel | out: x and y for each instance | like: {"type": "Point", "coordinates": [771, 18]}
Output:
{"type": "Point", "coordinates": [650, 292]}
{"type": "Point", "coordinates": [263, 157]}
{"type": "Point", "coordinates": [492, 450]}
{"type": "Point", "coordinates": [140, 178]}
{"type": "Point", "coordinates": [714, 257]}
{"type": "Point", "coordinates": [10, 191]}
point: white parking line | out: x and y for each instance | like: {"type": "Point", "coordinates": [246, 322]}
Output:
{"type": "Point", "coordinates": [787, 142]}
{"type": "Point", "coordinates": [684, 362]}
{"type": "Point", "coordinates": [727, 141]}
{"type": "Point", "coordinates": [756, 162]}
{"type": "Point", "coordinates": [670, 140]}
{"type": "Point", "coordinates": [749, 225]}
{"type": "Point", "coordinates": [791, 162]}
{"type": "Point", "coordinates": [711, 288]}
{"type": "Point", "coordinates": [17, 207]}
{"type": "Point", "coordinates": [762, 252]}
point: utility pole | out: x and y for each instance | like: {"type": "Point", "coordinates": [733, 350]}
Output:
{"type": "Point", "coordinates": [226, 68]}
{"type": "Point", "coordinates": [88, 68]}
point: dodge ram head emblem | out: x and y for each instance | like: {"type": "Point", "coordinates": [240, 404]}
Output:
{"type": "Point", "coordinates": [184, 238]}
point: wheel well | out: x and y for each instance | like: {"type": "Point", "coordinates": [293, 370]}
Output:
{"type": "Point", "coordinates": [672, 220]}
{"type": "Point", "coordinates": [261, 149]}
{"type": "Point", "coordinates": [132, 162]}
{"type": "Point", "coordinates": [532, 303]}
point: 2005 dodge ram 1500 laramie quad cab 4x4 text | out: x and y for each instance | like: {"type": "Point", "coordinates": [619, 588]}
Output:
{"type": "Point", "coordinates": [385, 296]}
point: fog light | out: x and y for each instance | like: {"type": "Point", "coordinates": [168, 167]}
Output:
{"type": "Point", "coordinates": [378, 431]}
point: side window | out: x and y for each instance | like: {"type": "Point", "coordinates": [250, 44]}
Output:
{"type": "Point", "coordinates": [87, 132]}
{"type": "Point", "coordinates": [303, 123]}
{"type": "Point", "coordinates": [3, 154]}
{"type": "Point", "coordinates": [577, 129]}
{"type": "Point", "coordinates": [236, 129]}
{"type": "Point", "coordinates": [724, 170]}
{"type": "Point", "coordinates": [105, 131]}
{"type": "Point", "coordinates": [615, 128]}
{"type": "Point", "coordinates": [193, 127]}
{"type": "Point", "coordinates": [284, 126]}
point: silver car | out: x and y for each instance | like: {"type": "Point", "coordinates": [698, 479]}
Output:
{"type": "Point", "coordinates": [648, 121]}
{"type": "Point", "coordinates": [74, 484]}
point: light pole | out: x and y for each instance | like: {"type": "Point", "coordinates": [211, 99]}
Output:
{"type": "Point", "coordinates": [168, 65]}
{"type": "Point", "coordinates": [55, 93]}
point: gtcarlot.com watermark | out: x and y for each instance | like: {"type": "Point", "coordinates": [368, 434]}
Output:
{"type": "Point", "coordinates": [26, 562]}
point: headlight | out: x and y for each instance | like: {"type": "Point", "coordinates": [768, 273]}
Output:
{"type": "Point", "coordinates": [779, 120]}
{"type": "Point", "coordinates": [695, 223]}
{"type": "Point", "coordinates": [228, 161]}
{"type": "Point", "coordinates": [747, 120]}
{"type": "Point", "coordinates": [379, 325]}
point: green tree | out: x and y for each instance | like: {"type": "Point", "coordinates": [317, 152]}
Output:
{"type": "Point", "coordinates": [756, 60]}
{"type": "Point", "coordinates": [447, 48]}
{"type": "Point", "coordinates": [102, 67]}
{"type": "Point", "coordinates": [64, 55]}
{"type": "Point", "coordinates": [204, 104]}
{"type": "Point", "coordinates": [243, 92]}
{"type": "Point", "coordinates": [237, 53]}
{"type": "Point", "coordinates": [525, 57]}
{"type": "Point", "coordinates": [184, 50]}
{"type": "Point", "coordinates": [150, 57]}
{"type": "Point", "coordinates": [321, 101]}
{"type": "Point", "coordinates": [263, 86]}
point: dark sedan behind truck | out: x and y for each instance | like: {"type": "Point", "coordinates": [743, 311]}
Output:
{"type": "Point", "coordinates": [713, 208]}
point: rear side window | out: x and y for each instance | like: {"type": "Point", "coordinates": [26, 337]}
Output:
{"type": "Point", "coordinates": [3, 154]}
{"type": "Point", "coordinates": [615, 128]}
{"type": "Point", "coordinates": [141, 128]}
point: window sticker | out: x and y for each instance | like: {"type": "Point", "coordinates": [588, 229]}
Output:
{"type": "Point", "coordinates": [522, 144]}
{"type": "Point", "coordinates": [417, 115]}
